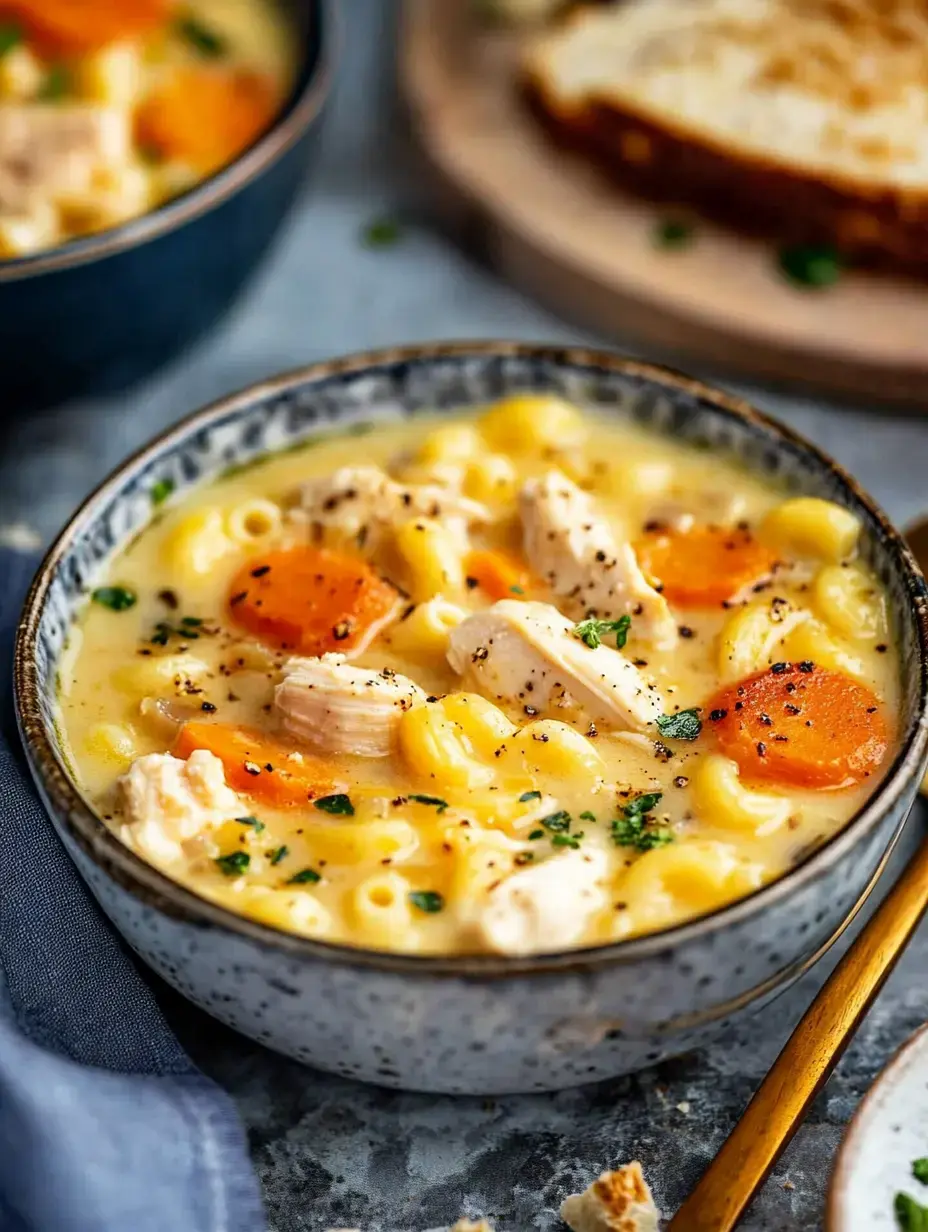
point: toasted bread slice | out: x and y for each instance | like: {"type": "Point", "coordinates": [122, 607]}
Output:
{"type": "Point", "coordinates": [804, 120]}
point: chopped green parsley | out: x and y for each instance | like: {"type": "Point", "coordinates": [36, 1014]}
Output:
{"type": "Point", "coordinates": [632, 828]}
{"type": "Point", "coordinates": [557, 823]}
{"type": "Point", "coordinates": [381, 233]}
{"type": "Point", "coordinates": [536, 834]}
{"type": "Point", "coordinates": [429, 901]}
{"type": "Point", "coordinates": [57, 84]}
{"type": "Point", "coordinates": [591, 632]}
{"type": "Point", "coordinates": [529, 795]}
{"type": "Point", "coordinates": [911, 1216]}
{"type": "Point", "coordinates": [116, 598]}
{"type": "Point", "coordinates": [340, 805]}
{"type": "Point", "coordinates": [161, 490]}
{"type": "Point", "coordinates": [306, 876]}
{"type": "Point", "coordinates": [811, 265]}
{"type": "Point", "coordinates": [920, 1170]}
{"type": "Point", "coordinates": [10, 36]}
{"type": "Point", "coordinates": [684, 725]}
{"type": "Point", "coordinates": [202, 39]}
{"type": "Point", "coordinates": [234, 863]}
{"type": "Point", "coordinates": [256, 824]}
{"type": "Point", "coordinates": [673, 233]}
{"type": "Point", "coordinates": [434, 801]}
{"type": "Point", "coordinates": [278, 854]}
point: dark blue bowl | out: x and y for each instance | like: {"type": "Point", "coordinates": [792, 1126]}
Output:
{"type": "Point", "coordinates": [95, 315]}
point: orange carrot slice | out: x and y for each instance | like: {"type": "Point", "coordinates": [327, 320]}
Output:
{"type": "Point", "coordinates": [801, 726]}
{"type": "Point", "coordinates": [500, 575]}
{"type": "Point", "coordinates": [311, 600]}
{"type": "Point", "coordinates": [257, 764]}
{"type": "Point", "coordinates": [206, 116]}
{"type": "Point", "coordinates": [75, 26]}
{"type": "Point", "coordinates": [704, 566]}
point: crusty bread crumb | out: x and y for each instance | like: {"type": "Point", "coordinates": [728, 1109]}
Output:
{"type": "Point", "coordinates": [619, 1201]}
{"type": "Point", "coordinates": [468, 1225]}
{"type": "Point", "coordinates": [806, 120]}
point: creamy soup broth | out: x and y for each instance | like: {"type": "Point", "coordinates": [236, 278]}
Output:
{"type": "Point", "coordinates": [607, 684]}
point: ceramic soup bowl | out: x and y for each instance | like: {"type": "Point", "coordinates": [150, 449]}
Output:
{"type": "Point", "coordinates": [477, 1024]}
{"type": "Point", "coordinates": [96, 314]}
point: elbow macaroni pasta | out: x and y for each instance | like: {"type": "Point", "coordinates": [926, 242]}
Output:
{"type": "Point", "coordinates": [393, 811]}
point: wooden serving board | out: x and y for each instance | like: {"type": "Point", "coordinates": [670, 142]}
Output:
{"type": "Point", "coordinates": [557, 226]}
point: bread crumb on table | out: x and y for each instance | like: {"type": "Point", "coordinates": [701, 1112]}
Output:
{"type": "Point", "coordinates": [619, 1201]}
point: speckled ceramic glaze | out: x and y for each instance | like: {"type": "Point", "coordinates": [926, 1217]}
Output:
{"type": "Point", "coordinates": [466, 1024]}
{"type": "Point", "coordinates": [98, 313]}
{"type": "Point", "coordinates": [888, 1132]}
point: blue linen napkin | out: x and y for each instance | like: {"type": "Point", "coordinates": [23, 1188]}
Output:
{"type": "Point", "coordinates": [105, 1123]}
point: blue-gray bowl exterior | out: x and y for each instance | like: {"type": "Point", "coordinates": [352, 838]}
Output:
{"type": "Point", "coordinates": [479, 1024]}
{"type": "Point", "coordinates": [97, 315]}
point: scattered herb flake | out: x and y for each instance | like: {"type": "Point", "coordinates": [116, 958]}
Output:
{"type": "Point", "coordinates": [10, 36]}
{"type": "Point", "coordinates": [673, 233]}
{"type": "Point", "coordinates": [191, 622]}
{"type": "Point", "coordinates": [632, 829]}
{"type": "Point", "coordinates": [306, 876]}
{"type": "Point", "coordinates": [529, 795]}
{"type": "Point", "coordinates": [278, 854]}
{"type": "Point", "coordinates": [116, 598]}
{"type": "Point", "coordinates": [161, 490]}
{"type": "Point", "coordinates": [517, 590]}
{"type": "Point", "coordinates": [557, 823]}
{"type": "Point", "coordinates": [235, 863]}
{"type": "Point", "coordinates": [381, 233]}
{"type": "Point", "coordinates": [435, 801]}
{"type": "Point", "coordinates": [591, 632]}
{"type": "Point", "coordinates": [684, 725]}
{"type": "Point", "coordinates": [206, 42]}
{"type": "Point", "coordinates": [567, 840]}
{"type": "Point", "coordinates": [429, 901]}
{"type": "Point", "coordinates": [586, 815]}
{"type": "Point", "coordinates": [920, 1170]}
{"type": "Point", "coordinates": [339, 804]}
{"type": "Point", "coordinates": [811, 265]}
{"type": "Point", "coordinates": [911, 1216]}
{"type": "Point", "coordinates": [536, 834]}
{"type": "Point", "coordinates": [57, 84]}
{"type": "Point", "coordinates": [256, 824]}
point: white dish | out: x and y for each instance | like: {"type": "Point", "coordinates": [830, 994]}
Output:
{"type": "Point", "coordinates": [887, 1133]}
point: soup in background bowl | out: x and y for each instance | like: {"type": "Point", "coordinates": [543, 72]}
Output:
{"type": "Point", "coordinates": [110, 109]}
{"type": "Point", "coordinates": [531, 711]}
{"type": "Point", "coordinates": [139, 222]}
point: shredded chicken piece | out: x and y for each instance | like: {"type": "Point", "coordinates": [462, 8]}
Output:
{"type": "Point", "coordinates": [337, 708]}
{"type": "Point", "coordinates": [48, 151]}
{"type": "Point", "coordinates": [575, 551]}
{"type": "Point", "coordinates": [619, 1201]}
{"type": "Point", "coordinates": [361, 503]}
{"type": "Point", "coordinates": [543, 906]}
{"type": "Point", "coordinates": [167, 801]}
{"type": "Point", "coordinates": [527, 653]}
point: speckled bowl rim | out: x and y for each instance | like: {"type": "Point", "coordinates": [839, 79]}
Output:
{"type": "Point", "coordinates": [158, 891]}
{"type": "Point", "coordinates": [834, 1215]}
{"type": "Point", "coordinates": [299, 115]}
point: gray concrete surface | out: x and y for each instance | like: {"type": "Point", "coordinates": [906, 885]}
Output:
{"type": "Point", "coordinates": [331, 1153]}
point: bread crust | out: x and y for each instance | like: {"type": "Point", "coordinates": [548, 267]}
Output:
{"type": "Point", "coordinates": [874, 225]}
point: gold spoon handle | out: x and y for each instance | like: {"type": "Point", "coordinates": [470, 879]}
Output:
{"type": "Point", "coordinates": [803, 1067]}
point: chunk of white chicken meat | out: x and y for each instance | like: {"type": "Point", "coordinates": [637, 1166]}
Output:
{"type": "Point", "coordinates": [619, 1201]}
{"type": "Point", "coordinates": [542, 906]}
{"type": "Point", "coordinates": [577, 553]}
{"type": "Point", "coordinates": [360, 503]}
{"type": "Point", "coordinates": [528, 654]}
{"type": "Point", "coordinates": [167, 801]}
{"type": "Point", "coordinates": [50, 151]}
{"type": "Point", "coordinates": [336, 708]}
